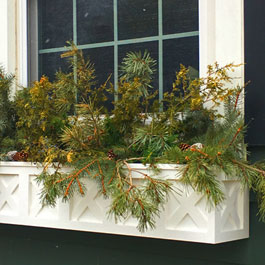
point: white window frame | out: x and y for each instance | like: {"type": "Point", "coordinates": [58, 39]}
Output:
{"type": "Point", "coordinates": [221, 26]}
{"type": "Point", "coordinates": [23, 43]}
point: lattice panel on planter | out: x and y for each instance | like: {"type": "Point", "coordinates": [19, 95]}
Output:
{"type": "Point", "coordinates": [89, 208]}
{"type": "Point", "coordinates": [231, 214]}
{"type": "Point", "coordinates": [183, 213]}
{"type": "Point", "coordinates": [186, 216]}
{"type": "Point", "coordinates": [36, 209]}
{"type": "Point", "coordinates": [9, 199]}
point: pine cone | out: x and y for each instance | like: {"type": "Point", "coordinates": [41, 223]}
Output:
{"type": "Point", "coordinates": [20, 156]}
{"type": "Point", "coordinates": [111, 155]}
{"type": "Point", "coordinates": [184, 147]}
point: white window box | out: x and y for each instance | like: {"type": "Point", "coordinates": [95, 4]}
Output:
{"type": "Point", "coordinates": [186, 216]}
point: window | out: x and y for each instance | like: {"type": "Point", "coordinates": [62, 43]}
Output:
{"type": "Point", "coordinates": [107, 29]}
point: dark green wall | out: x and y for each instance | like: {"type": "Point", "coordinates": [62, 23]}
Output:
{"type": "Point", "coordinates": [254, 69]}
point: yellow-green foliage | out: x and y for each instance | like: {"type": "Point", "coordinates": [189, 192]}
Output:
{"type": "Point", "coordinates": [7, 112]}
{"type": "Point", "coordinates": [40, 123]}
{"type": "Point", "coordinates": [75, 85]}
{"type": "Point", "coordinates": [191, 95]}
{"type": "Point", "coordinates": [128, 106]}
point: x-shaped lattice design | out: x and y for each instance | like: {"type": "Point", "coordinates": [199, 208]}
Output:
{"type": "Point", "coordinates": [232, 207]}
{"type": "Point", "coordinates": [187, 206]}
{"type": "Point", "coordinates": [36, 206]}
{"type": "Point", "coordinates": [7, 194]}
{"type": "Point", "coordinates": [90, 201]}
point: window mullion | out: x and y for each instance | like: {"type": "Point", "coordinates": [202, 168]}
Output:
{"type": "Point", "coordinates": [116, 63]}
{"type": "Point", "coordinates": [160, 49]}
{"type": "Point", "coordinates": [74, 22]}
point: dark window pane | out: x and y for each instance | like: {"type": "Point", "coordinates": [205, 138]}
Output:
{"type": "Point", "coordinates": [180, 16]}
{"type": "Point", "coordinates": [151, 47]}
{"type": "Point", "coordinates": [94, 21]}
{"type": "Point", "coordinates": [137, 18]}
{"type": "Point", "coordinates": [50, 63]}
{"type": "Point", "coordinates": [103, 60]}
{"type": "Point", "coordinates": [55, 23]}
{"type": "Point", "coordinates": [179, 51]}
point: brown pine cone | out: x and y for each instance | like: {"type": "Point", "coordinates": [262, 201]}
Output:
{"type": "Point", "coordinates": [20, 156]}
{"type": "Point", "coordinates": [111, 155]}
{"type": "Point", "coordinates": [184, 147]}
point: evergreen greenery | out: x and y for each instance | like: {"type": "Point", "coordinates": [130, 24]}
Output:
{"type": "Point", "coordinates": [7, 113]}
{"type": "Point", "coordinates": [40, 122]}
{"type": "Point", "coordinates": [66, 121]}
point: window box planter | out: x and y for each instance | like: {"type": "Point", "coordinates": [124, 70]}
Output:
{"type": "Point", "coordinates": [186, 217]}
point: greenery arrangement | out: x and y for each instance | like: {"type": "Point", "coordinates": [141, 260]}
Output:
{"type": "Point", "coordinates": [66, 123]}
{"type": "Point", "coordinates": [7, 112]}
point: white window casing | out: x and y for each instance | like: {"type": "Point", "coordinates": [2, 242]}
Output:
{"type": "Point", "coordinates": [3, 33]}
{"type": "Point", "coordinates": [23, 44]}
{"type": "Point", "coordinates": [13, 42]}
{"type": "Point", "coordinates": [221, 27]}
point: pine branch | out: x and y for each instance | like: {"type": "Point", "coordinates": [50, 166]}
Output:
{"type": "Point", "coordinates": [252, 168]}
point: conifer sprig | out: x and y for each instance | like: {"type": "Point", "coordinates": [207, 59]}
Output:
{"type": "Point", "coordinates": [7, 112]}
